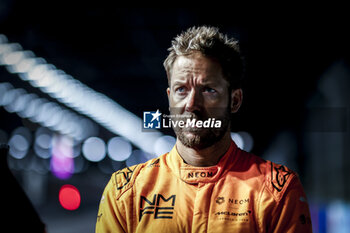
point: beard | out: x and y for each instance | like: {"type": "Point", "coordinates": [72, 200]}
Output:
{"type": "Point", "coordinates": [201, 138]}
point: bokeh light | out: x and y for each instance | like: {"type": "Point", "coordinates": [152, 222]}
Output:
{"type": "Point", "coordinates": [18, 146]}
{"type": "Point", "coordinates": [20, 142]}
{"type": "Point", "coordinates": [164, 144]}
{"type": "Point", "coordinates": [248, 140]}
{"type": "Point", "coordinates": [238, 140]}
{"type": "Point", "coordinates": [243, 140]}
{"type": "Point", "coordinates": [46, 113]}
{"type": "Point", "coordinates": [119, 149]}
{"type": "Point", "coordinates": [43, 142]}
{"type": "Point", "coordinates": [69, 197]}
{"type": "Point", "coordinates": [62, 162]}
{"type": "Point", "coordinates": [94, 149]}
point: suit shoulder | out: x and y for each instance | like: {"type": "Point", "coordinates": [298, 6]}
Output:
{"type": "Point", "coordinates": [278, 179]}
{"type": "Point", "coordinates": [275, 177]}
{"type": "Point", "coordinates": [125, 178]}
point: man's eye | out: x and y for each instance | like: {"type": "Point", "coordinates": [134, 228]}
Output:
{"type": "Point", "coordinates": [209, 90]}
{"type": "Point", "coordinates": [180, 89]}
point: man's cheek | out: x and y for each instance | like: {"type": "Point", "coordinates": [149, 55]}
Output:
{"type": "Point", "coordinates": [216, 112]}
{"type": "Point", "coordinates": [177, 104]}
{"type": "Point", "coordinates": [178, 111]}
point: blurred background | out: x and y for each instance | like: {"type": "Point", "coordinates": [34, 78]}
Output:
{"type": "Point", "coordinates": [75, 80]}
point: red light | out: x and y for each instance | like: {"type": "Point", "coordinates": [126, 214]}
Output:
{"type": "Point", "coordinates": [69, 197]}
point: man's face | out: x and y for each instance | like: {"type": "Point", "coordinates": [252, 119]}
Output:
{"type": "Point", "coordinates": [199, 91]}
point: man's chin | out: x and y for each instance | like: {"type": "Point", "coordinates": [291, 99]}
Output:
{"type": "Point", "coordinates": [195, 140]}
{"type": "Point", "coordinates": [192, 134]}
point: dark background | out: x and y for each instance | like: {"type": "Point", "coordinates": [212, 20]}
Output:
{"type": "Point", "coordinates": [119, 52]}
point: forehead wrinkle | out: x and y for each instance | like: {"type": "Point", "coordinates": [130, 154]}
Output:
{"type": "Point", "coordinates": [188, 76]}
{"type": "Point", "coordinates": [196, 68]}
{"type": "Point", "coordinates": [186, 70]}
{"type": "Point", "coordinates": [203, 79]}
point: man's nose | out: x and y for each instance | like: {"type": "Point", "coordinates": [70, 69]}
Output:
{"type": "Point", "coordinates": [194, 101]}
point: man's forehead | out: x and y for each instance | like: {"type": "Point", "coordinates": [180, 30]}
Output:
{"type": "Point", "coordinates": [195, 64]}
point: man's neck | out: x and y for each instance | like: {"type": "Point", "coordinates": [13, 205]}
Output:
{"type": "Point", "coordinates": [206, 157]}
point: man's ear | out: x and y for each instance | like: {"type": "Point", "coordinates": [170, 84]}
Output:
{"type": "Point", "coordinates": [236, 99]}
{"type": "Point", "coordinates": [168, 92]}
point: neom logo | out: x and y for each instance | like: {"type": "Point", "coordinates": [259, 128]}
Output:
{"type": "Point", "coordinates": [200, 174]}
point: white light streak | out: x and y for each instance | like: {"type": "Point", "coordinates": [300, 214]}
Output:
{"type": "Point", "coordinates": [76, 95]}
{"type": "Point", "coordinates": [45, 113]}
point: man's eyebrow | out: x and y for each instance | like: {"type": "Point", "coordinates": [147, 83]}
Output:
{"type": "Point", "coordinates": [206, 81]}
{"type": "Point", "coordinates": [180, 82]}
{"type": "Point", "coordinates": [210, 82]}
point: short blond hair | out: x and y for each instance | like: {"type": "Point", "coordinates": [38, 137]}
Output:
{"type": "Point", "coordinates": [212, 43]}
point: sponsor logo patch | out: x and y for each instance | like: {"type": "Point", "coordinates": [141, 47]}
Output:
{"type": "Point", "coordinates": [126, 174]}
{"type": "Point", "coordinates": [158, 206]}
{"type": "Point", "coordinates": [279, 177]}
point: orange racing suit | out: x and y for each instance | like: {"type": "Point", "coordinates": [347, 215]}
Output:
{"type": "Point", "coordinates": [242, 193]}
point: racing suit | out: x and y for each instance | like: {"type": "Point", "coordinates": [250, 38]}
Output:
{"type": "Point", "coordinates": [242, 193]}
